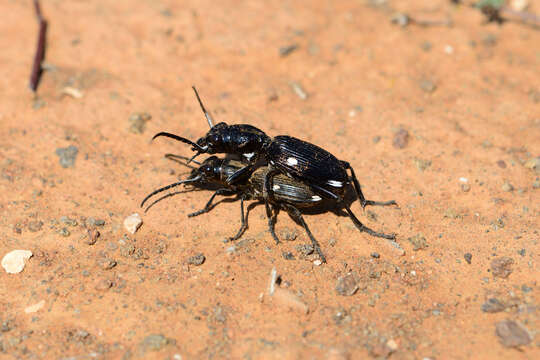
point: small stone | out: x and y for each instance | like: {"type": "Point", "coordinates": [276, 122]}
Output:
{"type": "Point", "coordinates": [132, 222]}
{"type": "Point", "coordinates": [512, 334]}
{"type": "Point", "coordinates": [501, 164]}
{"type": "Point", "coordinates": [137, 122]}
{"type": "Point", "coordinates": [35, 225]}
{"type": "Point", "coordinates": [14, 261]}
{"type": "Point", "coordinates": [34, 308]}
{"type": "Point", "coordinates": [287, 255]}
{"type": "Point", "coordinates": [106, 263]}
{"type": "Point", "coordinates": [507, 187]}
{"type": "Point", "coordinates": [67, 156]}
{"type": "Point", "coordinates": [305, 249]}
{"type": "Point", "coordinates": [468, 257]}
{"type": "Point", "coordinates": [533, 164]}
{"type": "Point", "coordinates": [422, 164]}
{"type": "Point", "coordinates": [288, 234]}
{"type": "Point", "coordinates": [92, 236]}
{"type": "Point", "coordinates": [154, 342]}
{"type": "Point", "coordinates": [375, 255]}
{"type": "Point", "coordinates": [493, 305]}
{"type": "Point", "coordinates": [502, 267]}
{"type": "Point", "coordinates": [287, 50]}
{"type": "Point", "coordinates": [196, 260]}
{"type": "Point", "coordinates": [317, 262]}
{"type": "Point", "coordinates": [392, 345]}
{"type": "Point", "coordinates": [68, 221]}
{"type": "Point", "coordinates": [465, 187]}
{"type": "Point", "coordinates": [298, 90]}
{"type": "Point", "coordinates": [64, 232]}
{"type": "Point", "coordinates": [104, 285]}
{"type": "Point", "coordinates": [418, 241]}
{"type": "Point", "coordinates": [401, 139]}
{"type": "Point", "coordinates": [376, 139]}
{"type": "Point", "coordinates": [427, 85]}
{"type": "Point", "coordinates": [91, 222]}
{"type": "Point", "coordinates": [347, 285]}
{"type": "Point", "coordinates": [522, 252]}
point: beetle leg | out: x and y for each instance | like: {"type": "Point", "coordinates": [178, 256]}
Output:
{"type": "Point", "coordinates": [240, 174]}
{"type": "Point", "coordinates": [209, 206]}
{"type": "Point", "coordinates": [296, 213]}
{"type": "Point", "coordinates": [364, 228]}
{"type": "Point", "coordinates": [243, 219]}
{"type": "Point", "coordinates": [271, 213]}
{"type": "Point", "coordinates": [359, 193]}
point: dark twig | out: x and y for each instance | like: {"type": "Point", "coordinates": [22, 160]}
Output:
{"type": "Point", "coordinates": [40, 50]}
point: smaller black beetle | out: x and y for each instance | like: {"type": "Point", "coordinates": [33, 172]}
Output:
{"type": "Point", "coordinates": [289, 194]}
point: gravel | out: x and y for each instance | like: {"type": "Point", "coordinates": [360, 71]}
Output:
{"type": "Point", "coordinates": [512, 334]}
{"type": "Point", "coordinates": [196, 260]}
{"type": "Point", "coordinates": [467, 257]}
{"type": "Point", "coordinates": [67, 156]}
{"type": "Point", "coordinates": [347, 285]}
{"type": "Point", "coordinates": [401, 139]}
{"type": "Point", "coordinates": [502, 267]}
{"type": "Point", "coordinates": [493, 305]}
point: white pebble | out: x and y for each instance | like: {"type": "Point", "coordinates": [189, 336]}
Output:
{"type": "Point", "coordinates": [449, 49]}
{"type": "Point", "coordinates": [34, 308]}
{"type": "Point", "coordinates": [464, 180]}
{"type": "Point", "coordinates": [132, 222]}
{"type": "Point", "coordinates": [317, 262]}
{"type": "Point", "coordinates": [13, 262]}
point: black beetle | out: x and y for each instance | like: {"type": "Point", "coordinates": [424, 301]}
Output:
{"type": "Point", "coordinates": [309, 163]}
{"type": "Point", "coordinates": [290, 195]}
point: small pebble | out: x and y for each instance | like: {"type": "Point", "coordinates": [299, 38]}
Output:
{"type": "Point", "coordinates": [465, 187]}
{"type": "Point", "coordinates": [137, 122]}
{"type": "Point", "coordinates": [288, 234]}
{"type": "Point", "coordinates": [287, 255]}
{"type": "Point", "coordinates": [507, 187]}
{"type": "Point", "coordinates": [512, 334]}
{"type": "Point", "coordinates": [103, 285]}
{"type": "Point", "coordinates": [287, 50]}
{"type": "Point", "coordinates": [14, 261]}
{"type": "Point", "coordinates": [35, 225]}
{"type": "Point", "coordinates": [427, 85]}
{"type": "Point", "coordinates": [67, 156]}
{"type": "Point", "coordinates": [196, 260]}
{"type": "Point", "coordinates": [418, 241]}
{"type": "Point", "coordinates": [493, 305]}
{"type": "Point", "coordinates": [153, 342]}
{"type": "Point", "coordinates": [317, 262]}
{"type": "Point", "coordinates": [92, 236]}
{"type": "Point", "coordinates": [347, 285]}
{"type": "Point", "coordinates": [298, 90]}
{"type": "Point", "coordinates": [106, 263]}
{"type": "Point", "coordinates": [468, 257]}
{"type": "Point", "coordinates": [305, 249]}
{"type": "Point", "coordinates": [501, 164]}
{"type": "Point", "coordinates": [401, 139]}
{"type": "Point", "coordinates": [502, 267]}
{"type": "Point", "coordinates": [375, 255]}
{"type": "Point", "coordinates": [132, 223]}
{"type": "Point", "coordinates": [34, 308]}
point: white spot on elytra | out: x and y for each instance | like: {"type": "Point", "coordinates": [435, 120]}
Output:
{"type": "Point", "coordinates": [316, 198]}
{"type": "Point", "coordinates": [249, 155]}
{"type": "Point", "coordinates": [292, 161]}
{"type": "Point", "coordinates": [275, 187]}
{"type": "Point", "coordinates": [335, 183]}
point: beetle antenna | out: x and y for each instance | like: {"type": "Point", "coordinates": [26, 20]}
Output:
{"type": "Point", "coordinates": [177, 158]}
{"type": "Point", "coordinates": [187, 181]}
{"type": "Point", "coordinates": [179, 138]}
{"type": "Point", "coordinates": [193, 157]}
{"type": "Point", "coordinates": [206, 113]}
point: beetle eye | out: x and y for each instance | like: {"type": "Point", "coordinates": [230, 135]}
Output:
{"type": "Point", "coordinates": [215, 139]}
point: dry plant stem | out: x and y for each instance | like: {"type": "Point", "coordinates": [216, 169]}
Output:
{"type": "Point", "coordinates": [40, 50]}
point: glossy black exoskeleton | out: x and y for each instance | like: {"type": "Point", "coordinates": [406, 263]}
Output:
{"type": "Point", "coordinates": [290, 195]}
{"type": "Point", "coordinates": [298, 159]}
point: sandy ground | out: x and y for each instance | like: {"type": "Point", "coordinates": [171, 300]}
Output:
{"type": "Point", "coordinates": [413, 109]}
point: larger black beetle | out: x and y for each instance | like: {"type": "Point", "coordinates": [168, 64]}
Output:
{"type": "Point", "coordinates": [290, 195]}
{"type": "Point", "coordinates": [313, 165]}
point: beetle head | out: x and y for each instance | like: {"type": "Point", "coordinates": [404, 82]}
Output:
{"type": "Point", "coordinates": [212, 142]}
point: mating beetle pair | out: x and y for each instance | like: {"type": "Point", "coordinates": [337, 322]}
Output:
{"type": "Point", "coordinates": [290, 194]}
{"type": "Point", "coordinates": [305, 163]}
